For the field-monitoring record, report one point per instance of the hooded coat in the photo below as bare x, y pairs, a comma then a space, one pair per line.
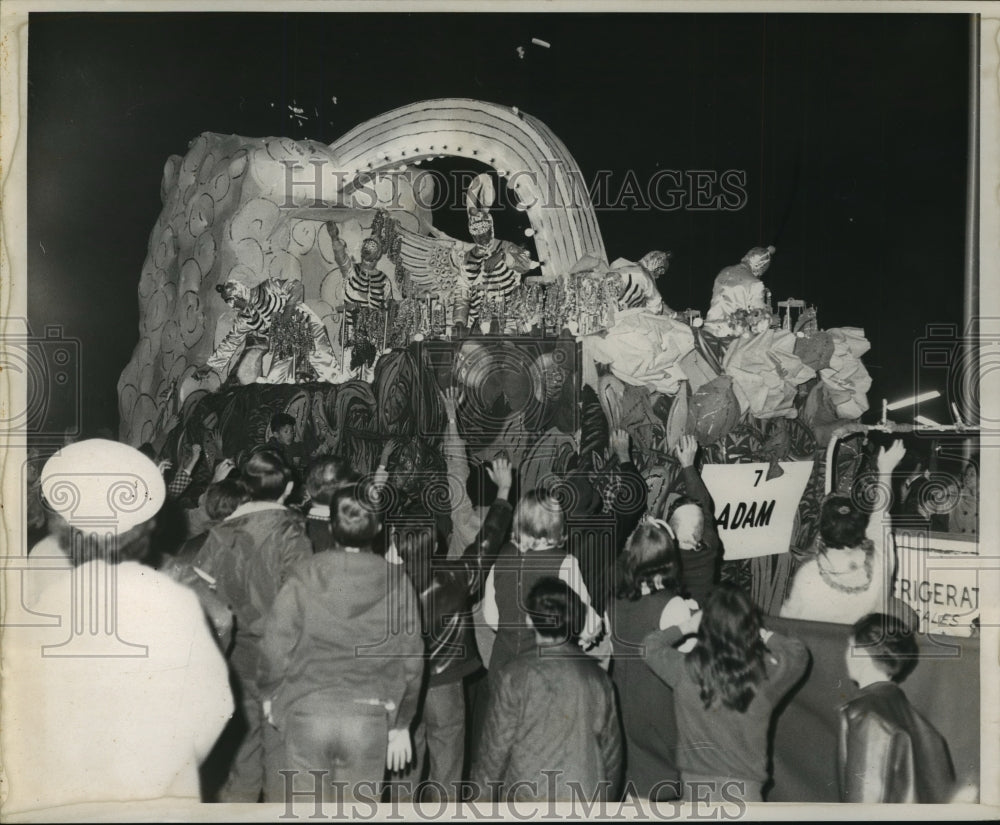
348, 624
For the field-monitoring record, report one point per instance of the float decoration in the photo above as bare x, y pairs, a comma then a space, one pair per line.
372, 286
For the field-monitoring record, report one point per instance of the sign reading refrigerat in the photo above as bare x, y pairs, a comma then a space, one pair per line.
755, 514
938, 576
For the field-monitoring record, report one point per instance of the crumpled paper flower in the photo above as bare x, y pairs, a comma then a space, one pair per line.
846, 378
714, 409
765, 372
643, 349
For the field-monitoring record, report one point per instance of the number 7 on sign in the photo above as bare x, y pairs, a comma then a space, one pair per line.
760, 475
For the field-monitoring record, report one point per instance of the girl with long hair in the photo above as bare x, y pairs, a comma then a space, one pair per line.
725, 690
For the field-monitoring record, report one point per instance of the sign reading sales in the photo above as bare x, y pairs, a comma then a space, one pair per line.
755, 515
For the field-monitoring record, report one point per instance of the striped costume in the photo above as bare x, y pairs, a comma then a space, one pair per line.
638, 289
365, 288
265, 302
498, 267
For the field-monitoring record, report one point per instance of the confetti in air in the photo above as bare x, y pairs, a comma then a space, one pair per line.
541, 43
520, 52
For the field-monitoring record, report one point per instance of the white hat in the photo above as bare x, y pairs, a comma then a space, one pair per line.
102, 486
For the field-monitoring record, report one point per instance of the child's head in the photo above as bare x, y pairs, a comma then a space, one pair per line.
354, 520
283, 427
880, 644
555, 611
267, 476
841, 524
326, 475
223, 497
650, 558
728, 661
687, 519
539, 523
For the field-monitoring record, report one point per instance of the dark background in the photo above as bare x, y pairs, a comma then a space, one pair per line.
851, 129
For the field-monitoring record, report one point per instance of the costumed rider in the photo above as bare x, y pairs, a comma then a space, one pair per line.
638, 287
260, 309
740, 301
365, 285
491, 267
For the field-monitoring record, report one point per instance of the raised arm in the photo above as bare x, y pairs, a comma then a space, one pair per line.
481, 553
628, 513
686, 451
662, 657
463, 514
886, 462
340, 254
786, 663
879, 524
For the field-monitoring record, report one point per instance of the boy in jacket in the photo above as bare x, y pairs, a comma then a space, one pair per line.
552, 723
341, 664
250, 554
887, 751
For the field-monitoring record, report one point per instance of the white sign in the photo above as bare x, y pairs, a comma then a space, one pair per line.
938, 576
754, 515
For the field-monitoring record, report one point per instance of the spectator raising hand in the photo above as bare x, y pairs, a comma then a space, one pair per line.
686, 450
453, 397
501, 473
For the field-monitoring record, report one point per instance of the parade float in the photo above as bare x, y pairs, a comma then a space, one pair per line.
286, 276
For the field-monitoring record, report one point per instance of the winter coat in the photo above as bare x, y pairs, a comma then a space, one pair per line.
345, 623
553, 710
112, 717
250, 554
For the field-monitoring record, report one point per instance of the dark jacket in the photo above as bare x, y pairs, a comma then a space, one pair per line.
700, 568
447, 589
250, 554
889, 753
553, 710
346, 624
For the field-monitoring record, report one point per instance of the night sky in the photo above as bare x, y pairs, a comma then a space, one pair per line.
850, 128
